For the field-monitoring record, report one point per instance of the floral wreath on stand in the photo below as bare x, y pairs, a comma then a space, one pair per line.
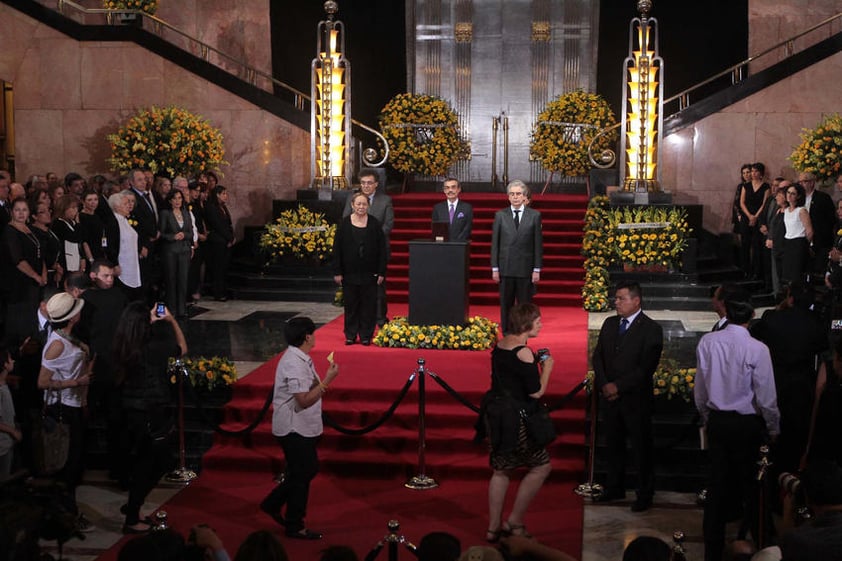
423, 134
148, 6
167, 140
565, 128
820, 151
299, 233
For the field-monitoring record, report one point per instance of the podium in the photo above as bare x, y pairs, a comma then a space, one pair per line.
438, 282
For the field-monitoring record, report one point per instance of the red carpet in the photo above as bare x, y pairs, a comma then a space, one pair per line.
360, 487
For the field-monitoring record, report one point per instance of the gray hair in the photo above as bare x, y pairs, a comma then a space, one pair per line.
518, 183
116, 199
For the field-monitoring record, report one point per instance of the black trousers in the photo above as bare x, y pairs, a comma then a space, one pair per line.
71, 474
302, 465
218, 256
629, 416
176, 270
149, 458
360, 309
733, 445
513, 290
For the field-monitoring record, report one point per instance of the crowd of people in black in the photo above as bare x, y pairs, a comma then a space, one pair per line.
96, 275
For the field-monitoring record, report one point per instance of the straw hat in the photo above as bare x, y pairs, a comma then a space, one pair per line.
62, 306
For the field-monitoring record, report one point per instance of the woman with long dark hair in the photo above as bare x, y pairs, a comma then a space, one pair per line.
220, 239
799, 234
752, 201
143, 344
25, 272
176, 226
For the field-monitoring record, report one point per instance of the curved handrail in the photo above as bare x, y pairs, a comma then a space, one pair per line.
299, 97
683, 96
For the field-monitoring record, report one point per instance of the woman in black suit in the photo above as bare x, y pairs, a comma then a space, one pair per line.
176, 226
220, 239
359, 253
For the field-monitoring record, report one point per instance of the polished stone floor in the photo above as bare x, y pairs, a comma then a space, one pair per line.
252, 332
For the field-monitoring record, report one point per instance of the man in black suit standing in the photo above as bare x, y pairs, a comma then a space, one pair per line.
625, 358
380, 207
517, 250
459, 215
823, 217
145, 212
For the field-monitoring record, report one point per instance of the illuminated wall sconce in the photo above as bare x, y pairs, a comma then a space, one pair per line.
330, 111
643, 108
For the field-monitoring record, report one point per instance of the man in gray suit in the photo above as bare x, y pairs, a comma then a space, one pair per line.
380, 207
517, 249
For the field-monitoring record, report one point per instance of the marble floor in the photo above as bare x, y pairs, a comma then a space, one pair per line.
252, 332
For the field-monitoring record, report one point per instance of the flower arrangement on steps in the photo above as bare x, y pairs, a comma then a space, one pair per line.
298, 234
478, 335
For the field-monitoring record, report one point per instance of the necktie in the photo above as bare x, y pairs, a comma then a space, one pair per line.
624, 326
517, 218
452, 212
149, 202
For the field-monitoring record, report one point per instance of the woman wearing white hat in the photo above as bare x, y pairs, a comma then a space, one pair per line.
65, 375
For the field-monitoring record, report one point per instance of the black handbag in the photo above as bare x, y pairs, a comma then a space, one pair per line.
51, 442
539, 425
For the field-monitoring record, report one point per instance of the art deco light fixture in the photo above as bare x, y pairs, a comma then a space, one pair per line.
642, 110
330, 112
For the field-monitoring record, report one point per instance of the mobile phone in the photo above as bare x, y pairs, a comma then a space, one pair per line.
160, 309
836, 324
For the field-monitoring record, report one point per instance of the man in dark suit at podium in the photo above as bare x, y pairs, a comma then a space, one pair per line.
459, 215
517, 250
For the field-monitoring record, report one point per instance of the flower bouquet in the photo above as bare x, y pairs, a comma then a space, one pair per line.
299, 233
207, 372
820, 149
479, 334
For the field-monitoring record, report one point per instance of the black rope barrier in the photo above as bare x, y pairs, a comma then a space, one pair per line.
385, 417
563, 401
453, 393
239, 432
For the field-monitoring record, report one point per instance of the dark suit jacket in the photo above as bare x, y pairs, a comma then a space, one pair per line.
220, 229
147, 223
359, 263
169, 228
460, 229
517, 251
823, 217
628, 361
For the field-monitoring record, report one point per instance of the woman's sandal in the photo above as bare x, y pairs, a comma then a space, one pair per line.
493, 536
510, 529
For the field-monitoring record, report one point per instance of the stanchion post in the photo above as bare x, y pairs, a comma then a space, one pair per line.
421, 481
591, 490
181, 475
763, 469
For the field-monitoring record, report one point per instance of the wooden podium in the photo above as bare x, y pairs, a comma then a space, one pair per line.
438, 282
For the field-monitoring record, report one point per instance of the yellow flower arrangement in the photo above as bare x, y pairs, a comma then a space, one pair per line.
167, 139
423, 134
299, 233
566, 126
641, 245
668, 381
478, 335
595, 290
148, 6
208, 372
820, 149
598, 255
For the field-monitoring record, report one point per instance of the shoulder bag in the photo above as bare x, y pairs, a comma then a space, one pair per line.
51, 442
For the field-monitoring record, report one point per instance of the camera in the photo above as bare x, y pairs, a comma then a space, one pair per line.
543, 354
160, 309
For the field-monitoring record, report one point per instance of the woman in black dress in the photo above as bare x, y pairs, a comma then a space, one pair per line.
752, 200
359, 266
94, 238
220, 239
51, 246
66, 227
519, 377
25, 272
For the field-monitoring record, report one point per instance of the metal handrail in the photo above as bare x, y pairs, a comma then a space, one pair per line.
206, 49
684, 96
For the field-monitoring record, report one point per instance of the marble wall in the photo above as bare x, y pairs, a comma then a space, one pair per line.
701, 163
70, 95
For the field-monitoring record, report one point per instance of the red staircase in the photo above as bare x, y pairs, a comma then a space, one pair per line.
562, 218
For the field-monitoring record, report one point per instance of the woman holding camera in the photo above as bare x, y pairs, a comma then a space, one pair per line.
518, 377
143, 344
